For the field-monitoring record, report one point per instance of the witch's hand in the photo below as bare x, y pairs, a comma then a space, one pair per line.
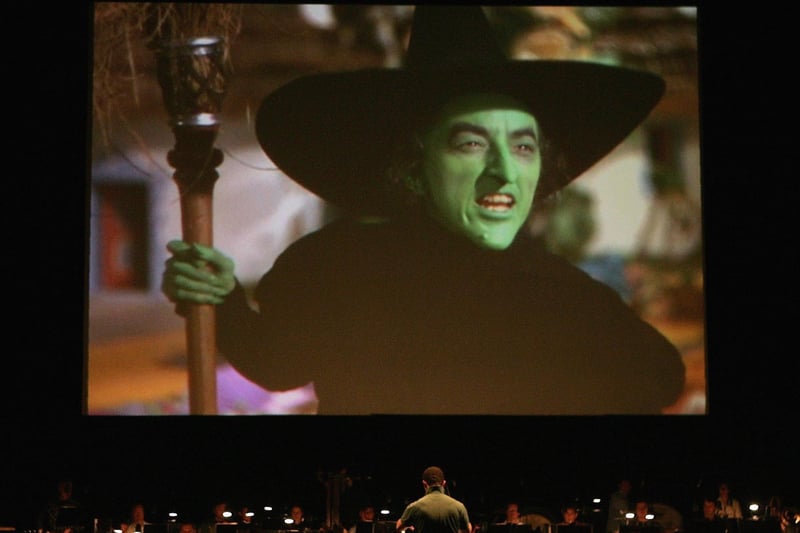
197, 274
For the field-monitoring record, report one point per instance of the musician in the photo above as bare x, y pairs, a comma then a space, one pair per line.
435, 512
641, 523
709, 521
221, 515
246, 520
187, 527
137, 521
512, 515
727, 506
618, 504
366, 519
300, 521
569, 514
52, 516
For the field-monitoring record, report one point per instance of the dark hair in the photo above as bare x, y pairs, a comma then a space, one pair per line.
405, 164
433, 475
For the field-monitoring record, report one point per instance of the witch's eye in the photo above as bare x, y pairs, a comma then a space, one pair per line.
470, 145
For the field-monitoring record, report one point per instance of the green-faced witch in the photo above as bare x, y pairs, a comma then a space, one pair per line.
426, 297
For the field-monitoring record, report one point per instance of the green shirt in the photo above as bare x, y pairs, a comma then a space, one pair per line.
436, 512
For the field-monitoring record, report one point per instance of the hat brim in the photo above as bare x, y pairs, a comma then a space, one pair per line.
334, 133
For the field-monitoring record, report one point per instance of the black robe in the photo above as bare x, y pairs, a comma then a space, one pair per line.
405, 318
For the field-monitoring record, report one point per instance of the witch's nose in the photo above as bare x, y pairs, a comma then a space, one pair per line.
501, 165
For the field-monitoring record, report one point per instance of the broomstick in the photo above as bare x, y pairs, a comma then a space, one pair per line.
191, 76
191, 72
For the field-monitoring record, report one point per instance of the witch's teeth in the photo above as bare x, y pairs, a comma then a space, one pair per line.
499, 200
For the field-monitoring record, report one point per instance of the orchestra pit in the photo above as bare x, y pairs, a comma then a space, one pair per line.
178, 468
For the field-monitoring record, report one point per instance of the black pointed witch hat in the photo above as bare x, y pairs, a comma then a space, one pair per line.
334, 133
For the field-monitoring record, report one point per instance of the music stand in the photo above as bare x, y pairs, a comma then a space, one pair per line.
510, 528
272, 524
574, 528
68, 516
226, 527
761, 526
365, 527
155, 528
249, 528
633, 528
707, 526
384, 526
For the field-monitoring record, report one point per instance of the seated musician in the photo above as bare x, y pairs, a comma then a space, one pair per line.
570, 522
643, 520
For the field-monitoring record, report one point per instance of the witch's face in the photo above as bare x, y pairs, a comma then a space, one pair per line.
481, 165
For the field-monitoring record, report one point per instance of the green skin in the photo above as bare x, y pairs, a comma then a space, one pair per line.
481, 165
197, 274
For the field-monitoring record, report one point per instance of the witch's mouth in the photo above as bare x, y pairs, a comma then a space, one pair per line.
496, 202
